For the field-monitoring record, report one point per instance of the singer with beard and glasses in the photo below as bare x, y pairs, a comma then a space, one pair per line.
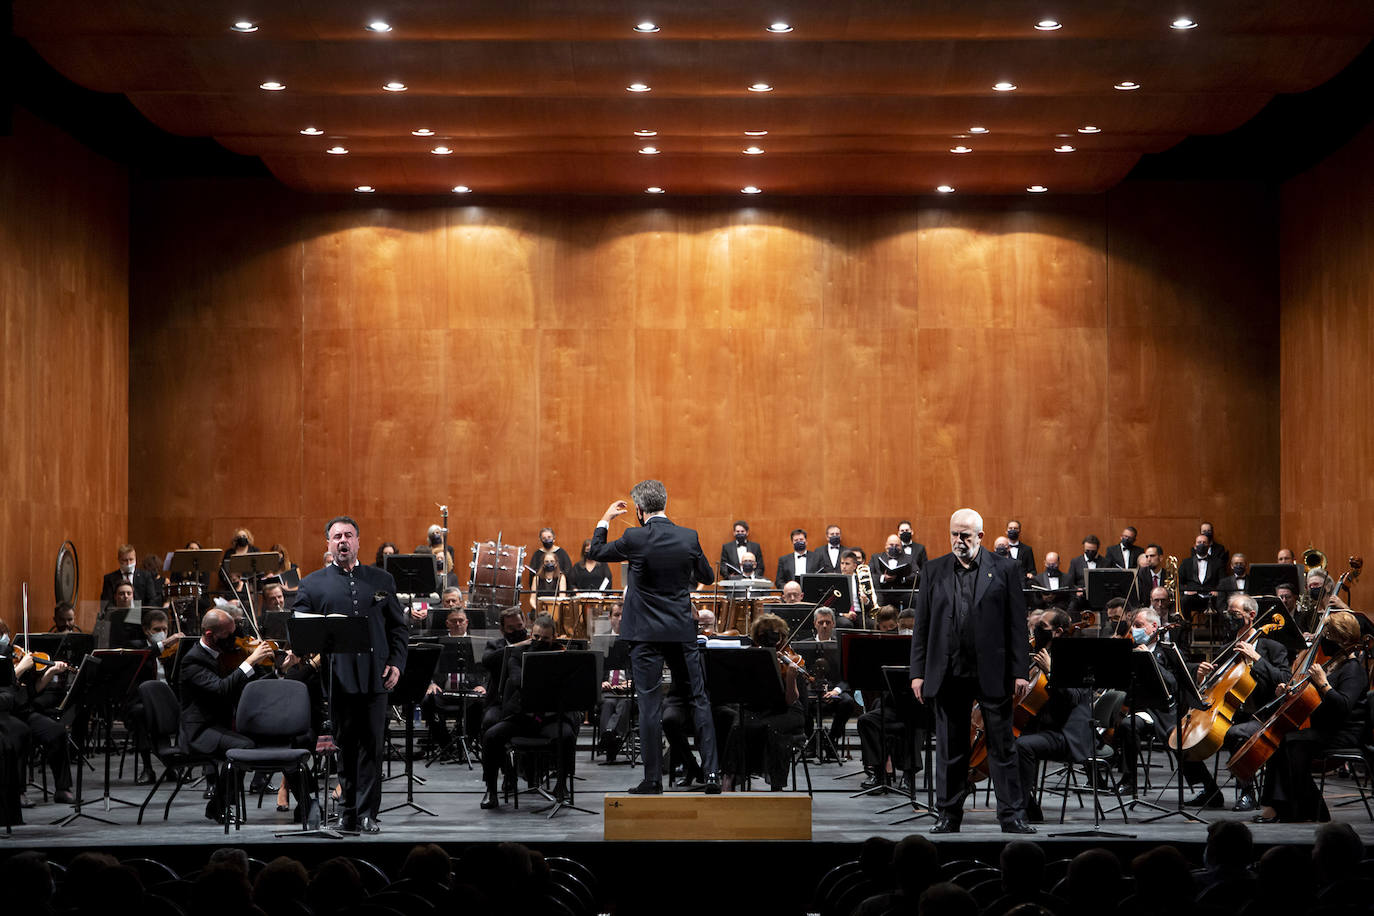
361, 680
665, 560
969, 643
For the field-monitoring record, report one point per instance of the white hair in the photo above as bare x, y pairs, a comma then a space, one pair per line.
967, 516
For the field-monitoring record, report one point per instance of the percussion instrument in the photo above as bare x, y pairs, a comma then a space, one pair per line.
496, 569
564, 609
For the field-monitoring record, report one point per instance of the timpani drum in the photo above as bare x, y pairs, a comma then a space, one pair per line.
595, 607
495, 580
562, 608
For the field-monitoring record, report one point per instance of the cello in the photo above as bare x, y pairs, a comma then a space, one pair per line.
1226, 689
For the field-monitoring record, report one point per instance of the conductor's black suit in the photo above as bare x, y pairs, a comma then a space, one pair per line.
665, 561
979, 659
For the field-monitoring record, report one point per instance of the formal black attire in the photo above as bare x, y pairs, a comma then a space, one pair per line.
357, 693
757, 740
970, 643
730, 553
1227, 587
664, 562
590, 580
147, 588
455, 698
536, 560
1062, 730
1268, 671
787, 567
1079, 566
898, 591
208, 701
1146, 581
494, 655
1342, 720
1047, 580
827, 558
1123, 558
14, 746
1023, 554
841, 707
1193, 577
1156, 721
518, 722
37, 713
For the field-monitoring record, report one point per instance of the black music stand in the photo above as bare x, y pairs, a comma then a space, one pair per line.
897, 679
1265, 579
863, 654
818, 666
744, 677
327, 636
1102, 585
1091, 664
409, 692
798, 617
1187, 691
618, 658
456, 656
71, 648
816, 586
251, 567
560, 681
415, 574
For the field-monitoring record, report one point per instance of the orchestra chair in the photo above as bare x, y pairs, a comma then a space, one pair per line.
797, 742
162, 719
1106, 708
274, 713
1358, 759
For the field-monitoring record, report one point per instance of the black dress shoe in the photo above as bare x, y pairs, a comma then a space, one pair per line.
712, 783
646, 787
1207, 798
1261, 819
1246, 802
348, 824
145, 778
945, 824
1017, 826
490, 799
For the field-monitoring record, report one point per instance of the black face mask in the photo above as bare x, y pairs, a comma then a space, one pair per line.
1002, 551
549, 567
748, 568
770, 639
834, 540
742, 539
1201, 552
1331, 647
542, 645
1127, 542
1090, 553
1013, 534
1316, 592
905, 536
518, 636
894, 551
1051, 568
1042, 637
1238, 570
799, 546
240, 541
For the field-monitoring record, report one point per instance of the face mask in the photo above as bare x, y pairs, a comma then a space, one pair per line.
158, 639
1090, 553
1051, 568
834, 540
742, 539
1042, 638
1139, 636
548, 567
894, 551
1316, 592
1200, 551
548, 543
747, 567
1013, 534
1127, 542
225, 643
240, 541
518, 636
541, 645
4, 642
905, 536
1003, 551
1331, 647
799, 546
770, 639
1238, 570
128, 568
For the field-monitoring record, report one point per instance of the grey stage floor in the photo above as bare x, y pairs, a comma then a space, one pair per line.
453, 792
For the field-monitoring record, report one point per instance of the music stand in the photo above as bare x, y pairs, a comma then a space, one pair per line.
816, 586
1265, 579
251, 567
409, 692
798, 617
1091, 664
1102, 585
71, 648
326, 636
744, 677
558, 681
1186, 692
863, 655
618, 658
456, 656
897, 679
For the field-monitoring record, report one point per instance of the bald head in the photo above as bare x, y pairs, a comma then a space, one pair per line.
215, 626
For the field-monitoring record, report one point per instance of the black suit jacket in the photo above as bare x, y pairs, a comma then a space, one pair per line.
787, 567
998, 618
916, 553
1069, 711
207, 699
729, 554
369, 592
1128, 561
1188, 575
146, 589
665, 560
1025, 555
1145, 583
821, 555
1079, 564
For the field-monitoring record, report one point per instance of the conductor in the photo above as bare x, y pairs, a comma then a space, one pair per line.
970, 643
664, 562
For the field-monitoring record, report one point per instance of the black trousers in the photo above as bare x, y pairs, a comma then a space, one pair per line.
360, 725
677, 728
49, 734
684, 661
1031, 749
953, 708
884, 723
495, 739
1197, 772
1288, 784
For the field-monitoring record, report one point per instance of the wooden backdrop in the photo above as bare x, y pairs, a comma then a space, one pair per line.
1328, 335
1079, 363
65, 339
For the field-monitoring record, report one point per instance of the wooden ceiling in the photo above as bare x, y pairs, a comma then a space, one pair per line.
530, 97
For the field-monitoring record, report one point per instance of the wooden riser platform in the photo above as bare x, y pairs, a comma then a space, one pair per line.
689, 817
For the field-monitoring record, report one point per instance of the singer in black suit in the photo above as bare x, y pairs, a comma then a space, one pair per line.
1199, 576
970, 643
665, 561
788, 564
1021, 552
1125, 555
147, 590
731, 551
362, 679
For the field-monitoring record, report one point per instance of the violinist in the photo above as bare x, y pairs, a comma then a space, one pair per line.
1341, 720
760, 736
1062, 729
1267, 660
1145, 632
156, 638
30, 699
64, 619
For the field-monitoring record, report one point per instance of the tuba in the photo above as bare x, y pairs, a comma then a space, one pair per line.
1312, 558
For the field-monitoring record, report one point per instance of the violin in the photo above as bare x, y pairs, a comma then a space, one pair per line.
789, 659
230, 659
41, 660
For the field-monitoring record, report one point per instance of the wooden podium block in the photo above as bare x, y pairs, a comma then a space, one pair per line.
731, 816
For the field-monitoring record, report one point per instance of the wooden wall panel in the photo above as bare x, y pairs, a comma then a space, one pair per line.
1327, 291
64, 331
791, 365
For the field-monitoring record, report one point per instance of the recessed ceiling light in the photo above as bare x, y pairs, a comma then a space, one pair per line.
311, 131
646, 133
1048, 25
1037, 189
461, 189
1063, 148
945, 188
1183, 23
646, 27
336, 151
648, 150
637, 87
753, 151
422, 132
779, 28
751, 190
960, 149
378, 25
1004, 86
756, 133
1127, 85
442, 151
364, 189
977, 130
243, 25
760, 87
1089, 129
272, 86
395, 86
653, 190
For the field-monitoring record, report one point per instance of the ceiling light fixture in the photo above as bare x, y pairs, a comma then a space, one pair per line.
337, 151
977, 130
646, 27
945, 188
378, 25
648, 151
753, 151
1037, 189
442, 151
760, 87
960, 149
1127, 85
1183, 24
646, 133
422, 132
1004, 86
311, 131
779, 28
395, 86
1089, 129
243, 25
364, 189
462, 189
272, 86
1064, 148
756, 133
637, 87
751, 190
1048, 25
653, 190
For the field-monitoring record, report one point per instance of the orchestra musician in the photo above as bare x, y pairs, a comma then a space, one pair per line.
968, 645
849, 566
550, 581
513, 634
759, 737
1199, 575
835, 695
1267, 660
664, 561
145, 587
1149, 576
1144, 633
1062, 729
1341, 720
30, 699
64, 618
467, 687
792, 592
588, 575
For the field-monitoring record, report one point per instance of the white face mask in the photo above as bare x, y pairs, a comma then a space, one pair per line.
158, 639
129, 568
